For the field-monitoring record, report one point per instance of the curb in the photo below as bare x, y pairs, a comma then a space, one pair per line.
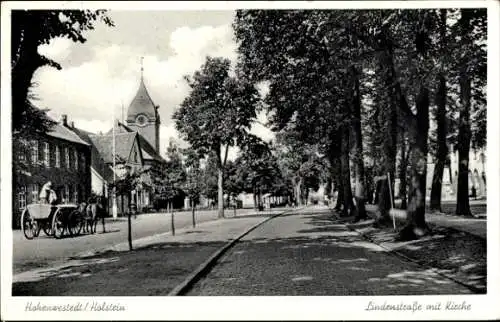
398, 254
139, 240
134, 241
119, 247
206, 266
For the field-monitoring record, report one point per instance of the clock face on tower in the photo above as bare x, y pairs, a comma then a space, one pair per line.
141, 120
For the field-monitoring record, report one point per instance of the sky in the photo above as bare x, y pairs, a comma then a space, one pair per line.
102, 74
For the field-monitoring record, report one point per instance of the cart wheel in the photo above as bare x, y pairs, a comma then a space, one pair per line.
28, 225
47, 228
75, 223
58, 224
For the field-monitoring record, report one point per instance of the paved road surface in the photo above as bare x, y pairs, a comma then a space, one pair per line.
309, 254
44, 251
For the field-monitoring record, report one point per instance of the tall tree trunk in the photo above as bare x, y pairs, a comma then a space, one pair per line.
298, 192
193, 217
442, 149
337, 182
260, 196
403, 185
464, 137
360, 192
345, 173
340, 195
220, 199
172, 219
129, 220
416, 225
388, 120
464, 127
255, 206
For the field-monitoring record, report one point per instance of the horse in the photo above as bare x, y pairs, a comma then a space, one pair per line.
93, 212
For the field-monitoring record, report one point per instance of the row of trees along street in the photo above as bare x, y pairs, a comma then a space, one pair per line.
348, 87
363, 86
344, 88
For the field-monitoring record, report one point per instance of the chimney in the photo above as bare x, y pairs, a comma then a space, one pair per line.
64, 120
72, 124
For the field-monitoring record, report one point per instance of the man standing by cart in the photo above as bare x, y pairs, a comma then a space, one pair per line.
47, 195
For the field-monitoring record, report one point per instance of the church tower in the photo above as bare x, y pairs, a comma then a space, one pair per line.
143, 116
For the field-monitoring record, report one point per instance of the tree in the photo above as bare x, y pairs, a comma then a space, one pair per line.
471, 33
441, 95
30, 29
301, 163
126, 183
234, 183
174, 178
210, 188
217, 114
307, 56
194, 176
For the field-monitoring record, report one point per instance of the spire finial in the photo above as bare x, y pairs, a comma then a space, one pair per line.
142, 67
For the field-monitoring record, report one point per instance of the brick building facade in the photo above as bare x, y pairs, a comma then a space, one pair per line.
59, 156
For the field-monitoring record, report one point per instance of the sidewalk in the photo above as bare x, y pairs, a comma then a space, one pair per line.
156, 265
475, 226
456, 247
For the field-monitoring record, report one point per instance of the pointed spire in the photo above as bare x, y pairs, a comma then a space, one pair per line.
142, 68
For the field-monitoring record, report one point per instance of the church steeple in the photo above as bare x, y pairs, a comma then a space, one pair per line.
142, 113
142, 69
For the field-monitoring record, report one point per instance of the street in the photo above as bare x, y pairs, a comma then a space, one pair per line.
309, 254
43, 251
302, 252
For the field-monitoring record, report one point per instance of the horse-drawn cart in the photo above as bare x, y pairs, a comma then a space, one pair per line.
54, 220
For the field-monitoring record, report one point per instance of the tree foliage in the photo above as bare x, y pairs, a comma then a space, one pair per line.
217, 113
30, 29
332, 71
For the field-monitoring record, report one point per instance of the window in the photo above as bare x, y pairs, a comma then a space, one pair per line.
66, 192
58, 157
75, 194
46, 154
75, 158
66, 154
34, 192
34, 151
21, 153
21, 197
83, 161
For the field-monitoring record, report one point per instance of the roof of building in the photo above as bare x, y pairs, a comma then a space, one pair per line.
148, 152
84, 135
142, 104
123, 145
62, 132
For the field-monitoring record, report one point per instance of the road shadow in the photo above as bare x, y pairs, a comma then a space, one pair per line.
152, 270
321, 265
263, 215
80, 235
194, 232
457, 254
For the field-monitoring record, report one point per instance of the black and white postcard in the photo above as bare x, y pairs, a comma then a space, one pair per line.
250, 160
